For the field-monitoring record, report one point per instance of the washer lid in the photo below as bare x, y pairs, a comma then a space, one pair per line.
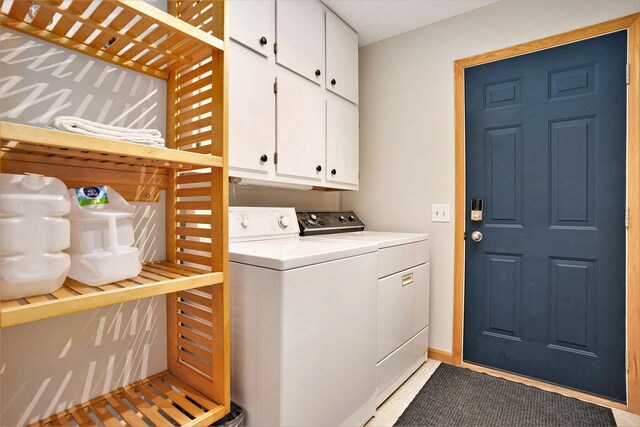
383, 239
285, 254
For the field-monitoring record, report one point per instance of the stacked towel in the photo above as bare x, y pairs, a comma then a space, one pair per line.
82, 126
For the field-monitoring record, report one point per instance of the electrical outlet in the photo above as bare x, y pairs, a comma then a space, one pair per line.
440, 212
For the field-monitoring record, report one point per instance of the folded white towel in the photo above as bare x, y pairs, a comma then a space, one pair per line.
87, 127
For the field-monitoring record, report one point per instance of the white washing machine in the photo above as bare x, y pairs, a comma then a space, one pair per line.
303, 323
403, 292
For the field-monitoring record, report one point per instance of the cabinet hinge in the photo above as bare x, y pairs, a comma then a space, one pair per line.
275, 158
627, 217
628, 73
275, 87
275, 48
626, 360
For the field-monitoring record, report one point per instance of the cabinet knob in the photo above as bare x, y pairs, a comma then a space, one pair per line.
319, 168
318, 73
333, 172
333, 82
264, 158
263, 40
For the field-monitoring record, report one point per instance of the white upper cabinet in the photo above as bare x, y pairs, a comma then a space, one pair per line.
300, 130
252, 23
342, 59
300, 38
342, 141
252, 112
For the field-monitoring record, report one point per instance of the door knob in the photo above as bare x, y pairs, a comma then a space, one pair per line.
318, 73
333, 82
476, 236
319, 168
333, 171
264, 158
263, 40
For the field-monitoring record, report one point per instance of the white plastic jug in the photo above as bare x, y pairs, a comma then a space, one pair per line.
102, 239
32, 235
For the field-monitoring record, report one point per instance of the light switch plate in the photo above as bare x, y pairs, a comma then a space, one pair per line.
440, 212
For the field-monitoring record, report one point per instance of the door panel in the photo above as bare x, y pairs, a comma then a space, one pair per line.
504, 175
342, 141
503, 276
252, 111
342, 59
573, 172
300, 119
252, 23
546, 152
300, 32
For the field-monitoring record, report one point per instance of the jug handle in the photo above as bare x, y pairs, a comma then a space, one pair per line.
113, 235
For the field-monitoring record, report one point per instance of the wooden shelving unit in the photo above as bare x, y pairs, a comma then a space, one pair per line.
186, 47
154, 279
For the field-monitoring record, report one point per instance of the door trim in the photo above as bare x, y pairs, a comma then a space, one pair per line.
632, 24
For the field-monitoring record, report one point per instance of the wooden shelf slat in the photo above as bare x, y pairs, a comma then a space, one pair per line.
155, 279
164, 19
160, 400
111, 40
48, 143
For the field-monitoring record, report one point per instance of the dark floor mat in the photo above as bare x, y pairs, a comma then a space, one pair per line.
456, 396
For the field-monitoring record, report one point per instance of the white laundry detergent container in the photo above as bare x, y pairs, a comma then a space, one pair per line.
33, 235
102, 239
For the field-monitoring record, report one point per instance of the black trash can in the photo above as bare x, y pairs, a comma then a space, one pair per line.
235, 418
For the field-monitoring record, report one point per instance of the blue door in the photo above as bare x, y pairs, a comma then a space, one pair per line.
546, 154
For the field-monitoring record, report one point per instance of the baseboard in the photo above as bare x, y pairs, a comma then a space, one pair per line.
440, 355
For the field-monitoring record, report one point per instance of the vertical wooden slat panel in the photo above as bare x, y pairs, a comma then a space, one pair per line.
204, 131
172, 299
220, 246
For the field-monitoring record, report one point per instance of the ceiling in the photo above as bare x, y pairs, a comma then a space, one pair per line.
379, 19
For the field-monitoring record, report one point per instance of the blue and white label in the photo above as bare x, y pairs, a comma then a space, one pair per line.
92, 195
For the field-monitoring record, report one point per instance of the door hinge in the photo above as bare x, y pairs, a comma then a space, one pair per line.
275, 87
275, 158
627, 217
626, 360
275, 48
628, 73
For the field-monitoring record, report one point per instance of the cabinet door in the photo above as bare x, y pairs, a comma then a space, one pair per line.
342, 59
300, 37
342, 141
252, 115
252, 23
300, 121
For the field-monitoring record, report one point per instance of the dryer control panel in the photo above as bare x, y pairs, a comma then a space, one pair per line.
314, 223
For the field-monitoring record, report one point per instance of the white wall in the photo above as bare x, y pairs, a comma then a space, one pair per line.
240, 195
407, 120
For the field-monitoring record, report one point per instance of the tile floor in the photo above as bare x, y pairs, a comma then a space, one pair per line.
389, 412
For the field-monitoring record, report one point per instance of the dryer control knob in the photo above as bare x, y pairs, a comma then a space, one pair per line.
313, 217
341, 218
352, 218
283, 221
244, 222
